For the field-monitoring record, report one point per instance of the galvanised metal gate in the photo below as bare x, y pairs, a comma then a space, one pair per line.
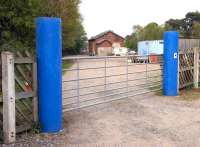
89, 81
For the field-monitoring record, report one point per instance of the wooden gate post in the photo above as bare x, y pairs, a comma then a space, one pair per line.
196, 67
8, 89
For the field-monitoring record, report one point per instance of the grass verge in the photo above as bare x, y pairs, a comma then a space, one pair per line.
66, 65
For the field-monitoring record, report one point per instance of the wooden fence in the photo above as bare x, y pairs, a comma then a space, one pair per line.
19, 106
185, 44
189, 63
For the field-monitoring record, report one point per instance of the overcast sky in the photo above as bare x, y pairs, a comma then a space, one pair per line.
121, 15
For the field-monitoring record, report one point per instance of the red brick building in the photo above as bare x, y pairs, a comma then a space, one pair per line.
104, 43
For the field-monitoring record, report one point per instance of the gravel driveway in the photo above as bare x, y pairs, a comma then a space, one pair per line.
147, 120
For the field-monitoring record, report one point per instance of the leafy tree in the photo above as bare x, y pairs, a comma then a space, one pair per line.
185, 25
195, 16
196, 30
17, 22
81, 39
152, 31
131, 40
74, 35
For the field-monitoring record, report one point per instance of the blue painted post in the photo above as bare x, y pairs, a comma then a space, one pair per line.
49, 48
170, 71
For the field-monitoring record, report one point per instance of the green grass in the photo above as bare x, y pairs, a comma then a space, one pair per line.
66, 65
157, 93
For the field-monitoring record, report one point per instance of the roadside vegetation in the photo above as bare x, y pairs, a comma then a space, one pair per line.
66, 65
188, 27
17, 23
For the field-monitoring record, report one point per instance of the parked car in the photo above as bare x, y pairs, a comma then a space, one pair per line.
122, 51
131, 52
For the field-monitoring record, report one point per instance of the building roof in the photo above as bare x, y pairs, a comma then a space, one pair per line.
104, 33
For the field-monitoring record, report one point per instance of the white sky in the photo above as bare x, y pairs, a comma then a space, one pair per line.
121, 15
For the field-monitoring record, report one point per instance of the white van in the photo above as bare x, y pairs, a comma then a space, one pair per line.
121, 51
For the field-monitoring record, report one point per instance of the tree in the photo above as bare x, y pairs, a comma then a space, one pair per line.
131, 40
17, 22
195, 16
196, 30
152, 31
80, 39
185, 25
74, 35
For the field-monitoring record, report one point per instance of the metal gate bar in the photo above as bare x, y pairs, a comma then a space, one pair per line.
97, 98
107, 101
115, 89
110, 78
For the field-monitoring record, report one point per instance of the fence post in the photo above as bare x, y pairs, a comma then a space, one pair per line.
196, 67
178, 78
170, 72
49, 73
8, 89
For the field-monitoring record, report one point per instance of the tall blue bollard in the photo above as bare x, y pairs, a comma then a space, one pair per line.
49, 54
170, 71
